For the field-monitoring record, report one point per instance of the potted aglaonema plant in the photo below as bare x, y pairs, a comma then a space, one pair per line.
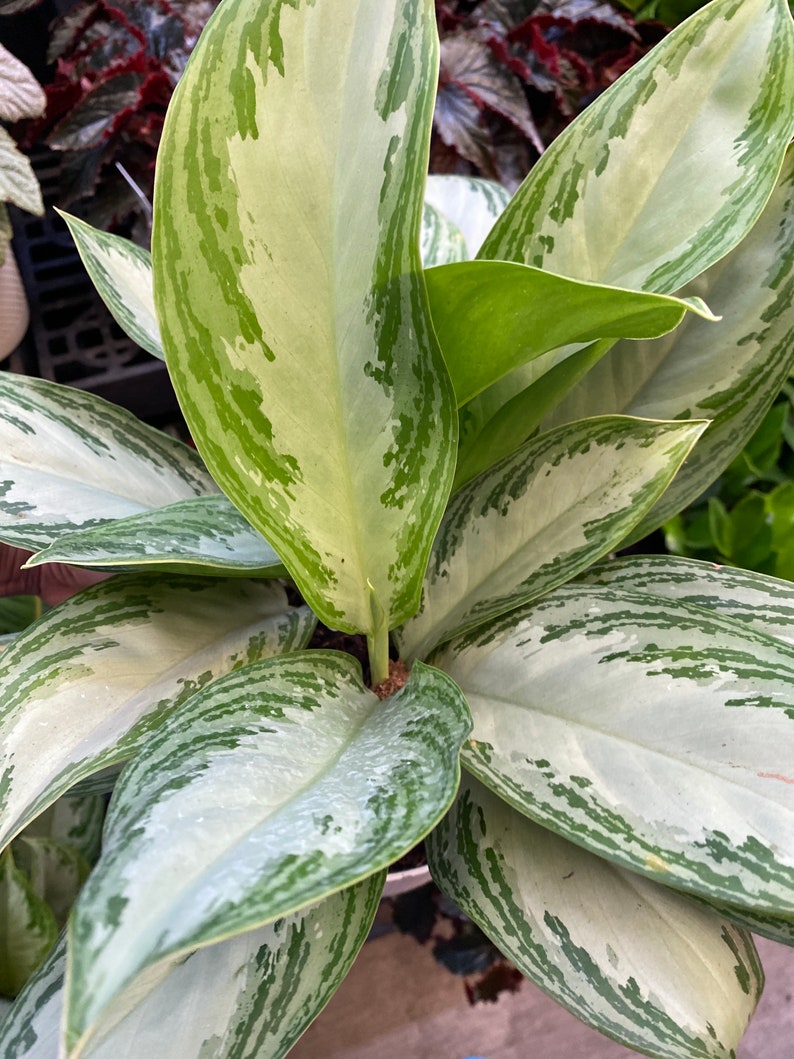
440, 456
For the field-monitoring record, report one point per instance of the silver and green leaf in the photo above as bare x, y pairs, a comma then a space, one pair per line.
539, 517
656, 733
303, 313
337, 784
69, 461
84, 687
633, 959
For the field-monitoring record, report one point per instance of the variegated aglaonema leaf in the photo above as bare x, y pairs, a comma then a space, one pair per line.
267, 791
442, 241
669, 168
84, 687
494, 316
729, 372
656, 732
471, 203
301, 312
249, 997
122, 274
205, 535
632, 959
759, 602
69, 461
539, 517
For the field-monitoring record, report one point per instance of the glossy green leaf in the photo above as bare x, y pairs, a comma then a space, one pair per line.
538, 518
122, 274
205, 535
86, 685
497, 423
69, 460
302, 312
494, 316
632, 959
657, 733
27, 927
441, 241
337, 785
728, 372
246, 998
688, 126
471, 203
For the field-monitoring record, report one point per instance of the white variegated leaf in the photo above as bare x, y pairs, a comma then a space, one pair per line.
246, 998
205, 535
69, 460
539, 517
86, 685
756, 601
21, 96
471, 203
634, 960
686, 125
18, 182
122, 274
656, 732
728, 372
302, 312
267, 791
441, 240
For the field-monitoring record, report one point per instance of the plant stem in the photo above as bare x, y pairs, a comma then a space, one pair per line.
378, 648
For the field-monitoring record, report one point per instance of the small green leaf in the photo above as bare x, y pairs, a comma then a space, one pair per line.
337, 785
56, 872
494, 316
632, 959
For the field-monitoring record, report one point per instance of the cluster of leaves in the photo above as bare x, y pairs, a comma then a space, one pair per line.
439, 454
116, 67
20, 97
514, 73
747, 517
